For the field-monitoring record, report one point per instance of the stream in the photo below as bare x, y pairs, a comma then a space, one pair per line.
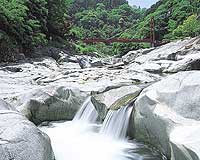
84, 138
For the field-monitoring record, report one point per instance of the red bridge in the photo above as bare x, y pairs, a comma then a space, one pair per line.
150, 40
123, 40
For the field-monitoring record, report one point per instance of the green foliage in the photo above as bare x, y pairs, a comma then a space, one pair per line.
173, 19
80, 5
26, 24
21, 20
85, 49
57, 22
101, 21
8, 45
168, 16
190, 27
29, 23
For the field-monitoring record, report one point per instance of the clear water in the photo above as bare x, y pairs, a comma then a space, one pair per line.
83, 139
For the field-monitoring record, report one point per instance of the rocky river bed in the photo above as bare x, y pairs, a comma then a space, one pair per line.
161, 84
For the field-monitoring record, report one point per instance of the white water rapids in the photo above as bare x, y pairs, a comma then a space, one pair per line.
84, 139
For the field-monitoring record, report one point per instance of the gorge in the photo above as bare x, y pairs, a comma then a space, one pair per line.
143, 105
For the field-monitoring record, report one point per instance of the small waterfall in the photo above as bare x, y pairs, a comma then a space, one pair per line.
116, 123
80, 139
87, 113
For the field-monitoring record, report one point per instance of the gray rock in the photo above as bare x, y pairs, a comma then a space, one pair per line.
51, 104
132, 55
6, 106
67, 58
47, 62
115, 60
116, 66
150, 67
170, 58
88, 62
100, 108
167, 52
167, 115
69, 66
96, 63
20, 139
20, 57
115, 98
84, 62
139, 76
188, 62
53, 52
12, 69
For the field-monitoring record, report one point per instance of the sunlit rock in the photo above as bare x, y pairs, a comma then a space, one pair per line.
118, 97
20, 139
167, 116
188, 62
182, 55
166, 52
6, 106
132, 55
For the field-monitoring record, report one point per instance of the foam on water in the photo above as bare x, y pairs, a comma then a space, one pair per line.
73, 141
80, 139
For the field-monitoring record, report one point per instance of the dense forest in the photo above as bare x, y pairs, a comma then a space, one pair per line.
28, 24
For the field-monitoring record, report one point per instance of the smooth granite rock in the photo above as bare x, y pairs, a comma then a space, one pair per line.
167, 116
20, 139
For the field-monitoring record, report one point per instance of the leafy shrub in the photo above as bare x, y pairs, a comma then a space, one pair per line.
189, 28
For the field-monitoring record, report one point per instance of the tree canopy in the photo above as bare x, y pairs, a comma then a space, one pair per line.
26, 24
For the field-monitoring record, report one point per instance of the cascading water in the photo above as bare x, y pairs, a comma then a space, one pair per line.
87, 113
81, 138
116, 123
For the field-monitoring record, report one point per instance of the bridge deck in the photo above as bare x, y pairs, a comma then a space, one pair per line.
112, 40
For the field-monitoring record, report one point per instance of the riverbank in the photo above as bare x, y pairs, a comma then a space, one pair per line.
53, 89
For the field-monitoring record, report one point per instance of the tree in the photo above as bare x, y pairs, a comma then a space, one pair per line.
58, 17
189, 28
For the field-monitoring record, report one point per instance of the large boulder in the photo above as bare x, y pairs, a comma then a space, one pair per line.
51, 103
169, 51
118, 97
185, 63
140, 76
20, 139
182, 55
167, 115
